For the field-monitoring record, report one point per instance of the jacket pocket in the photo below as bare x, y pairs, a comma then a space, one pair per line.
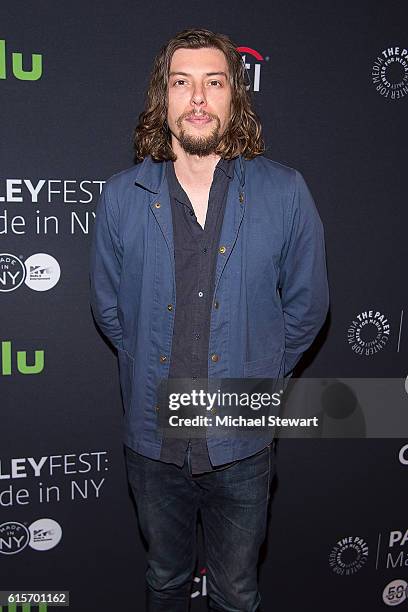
269, 367
126, 372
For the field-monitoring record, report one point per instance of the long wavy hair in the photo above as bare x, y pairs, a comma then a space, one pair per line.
243, 133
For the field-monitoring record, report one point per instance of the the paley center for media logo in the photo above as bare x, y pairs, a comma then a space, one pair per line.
39, 272
368, 333
348, 555
389, 73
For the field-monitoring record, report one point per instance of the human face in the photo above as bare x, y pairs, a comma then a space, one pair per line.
199, 99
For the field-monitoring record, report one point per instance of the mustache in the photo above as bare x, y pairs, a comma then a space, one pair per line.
192, 114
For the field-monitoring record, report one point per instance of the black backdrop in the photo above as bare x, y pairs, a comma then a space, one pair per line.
327, 111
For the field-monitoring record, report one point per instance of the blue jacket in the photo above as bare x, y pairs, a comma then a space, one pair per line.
270, 295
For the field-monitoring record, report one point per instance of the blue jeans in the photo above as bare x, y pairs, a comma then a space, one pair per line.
233, 503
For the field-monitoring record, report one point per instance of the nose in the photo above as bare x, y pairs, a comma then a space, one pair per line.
198, 98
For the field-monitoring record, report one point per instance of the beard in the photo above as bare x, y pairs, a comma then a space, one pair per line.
199, 145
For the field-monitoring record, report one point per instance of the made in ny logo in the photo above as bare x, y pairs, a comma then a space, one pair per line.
15, 61
39, 272
253, 61
43, 534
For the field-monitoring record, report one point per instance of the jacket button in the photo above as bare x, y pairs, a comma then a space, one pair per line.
216, 304
222, 249
169, 306
163, 358
157, 204
157, 408
214, 357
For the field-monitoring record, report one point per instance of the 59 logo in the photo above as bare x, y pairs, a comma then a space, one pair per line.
395, 592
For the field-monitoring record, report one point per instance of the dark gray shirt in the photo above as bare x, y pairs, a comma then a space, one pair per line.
195, 253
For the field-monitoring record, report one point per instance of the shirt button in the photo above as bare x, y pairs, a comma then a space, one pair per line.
197, 336
157, 408
163, 358
216, 304
169, 306
213, 410
191, 212
222, 249
194, 377
241, 197
200, 294
214, 357
205, 249
157, 205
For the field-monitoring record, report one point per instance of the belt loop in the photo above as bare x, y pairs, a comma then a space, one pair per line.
189, 456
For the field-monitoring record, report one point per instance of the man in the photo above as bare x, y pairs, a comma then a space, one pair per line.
208, 262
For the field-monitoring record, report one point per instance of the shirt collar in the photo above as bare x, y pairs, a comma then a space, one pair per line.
175, 189
226, 165
150, 174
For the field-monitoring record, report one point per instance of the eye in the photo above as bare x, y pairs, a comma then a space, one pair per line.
179, 81
216, 82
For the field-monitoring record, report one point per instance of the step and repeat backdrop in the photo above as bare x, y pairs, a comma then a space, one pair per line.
330, 84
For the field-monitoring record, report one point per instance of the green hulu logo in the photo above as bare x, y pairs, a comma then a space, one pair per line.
26, 607
22, 367
17, 65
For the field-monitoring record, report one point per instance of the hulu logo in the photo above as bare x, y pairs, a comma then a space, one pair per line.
17, 66
12, 607
6, 362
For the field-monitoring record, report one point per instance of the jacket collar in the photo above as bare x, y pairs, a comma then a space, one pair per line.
151, 174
